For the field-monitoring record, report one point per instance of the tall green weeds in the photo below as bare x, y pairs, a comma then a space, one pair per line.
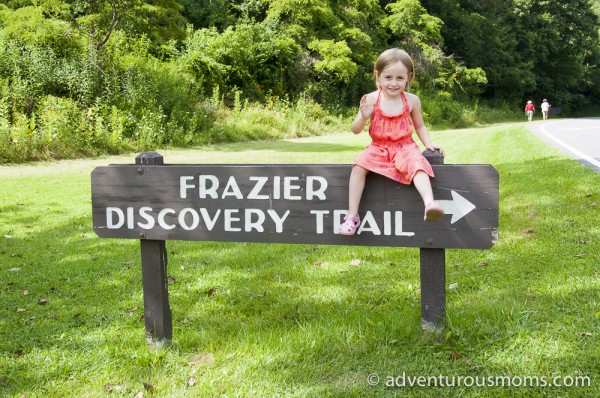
441, 111
124, 99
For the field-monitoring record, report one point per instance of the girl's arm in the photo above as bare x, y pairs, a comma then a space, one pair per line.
359, 123
365, 111
420, 128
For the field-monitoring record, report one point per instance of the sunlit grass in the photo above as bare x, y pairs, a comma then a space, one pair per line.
260, 320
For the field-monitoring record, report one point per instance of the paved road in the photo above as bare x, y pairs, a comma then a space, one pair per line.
577, 138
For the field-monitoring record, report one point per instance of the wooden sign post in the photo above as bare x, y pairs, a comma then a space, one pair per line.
303, 204
433, 276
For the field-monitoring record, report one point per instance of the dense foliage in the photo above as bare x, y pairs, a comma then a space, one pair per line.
527, 48
95, 76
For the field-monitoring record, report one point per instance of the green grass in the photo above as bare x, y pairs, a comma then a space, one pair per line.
258, 320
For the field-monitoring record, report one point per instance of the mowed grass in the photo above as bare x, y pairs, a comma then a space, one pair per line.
261, 320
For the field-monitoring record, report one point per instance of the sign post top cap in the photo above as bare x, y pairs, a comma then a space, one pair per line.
434, 157
149, 158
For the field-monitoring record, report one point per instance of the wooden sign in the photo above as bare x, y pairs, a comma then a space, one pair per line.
291, 204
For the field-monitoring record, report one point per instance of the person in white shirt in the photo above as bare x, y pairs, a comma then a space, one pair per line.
545, 109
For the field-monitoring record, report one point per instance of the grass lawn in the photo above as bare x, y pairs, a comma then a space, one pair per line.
260, 320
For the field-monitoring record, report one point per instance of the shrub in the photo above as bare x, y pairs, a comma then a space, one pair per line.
109, 124
278, 118
63, 130
18, 139
258, 59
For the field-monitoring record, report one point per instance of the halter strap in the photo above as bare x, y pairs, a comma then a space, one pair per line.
404, 103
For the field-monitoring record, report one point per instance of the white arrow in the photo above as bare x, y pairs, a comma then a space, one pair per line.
458, 206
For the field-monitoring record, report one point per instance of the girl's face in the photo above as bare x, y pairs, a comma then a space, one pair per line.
393, 79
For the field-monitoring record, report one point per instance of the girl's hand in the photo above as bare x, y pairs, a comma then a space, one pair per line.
366, 110
434, 148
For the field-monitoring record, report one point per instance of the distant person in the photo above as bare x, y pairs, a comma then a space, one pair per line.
545, 109
393, 153
529, 109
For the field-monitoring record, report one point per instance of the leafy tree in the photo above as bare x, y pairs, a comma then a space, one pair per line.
332, 67
527, 48
160, 20
567, 51
28, 26
420, 34
218, 14
41, 56
409, 20
252, 57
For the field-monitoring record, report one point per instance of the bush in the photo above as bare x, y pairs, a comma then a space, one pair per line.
110, 124
255, 58
16, 141
441, 111
277, 119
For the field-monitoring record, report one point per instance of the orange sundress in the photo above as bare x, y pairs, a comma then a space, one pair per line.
392, 151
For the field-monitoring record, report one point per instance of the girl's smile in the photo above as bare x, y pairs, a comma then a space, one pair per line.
393, 79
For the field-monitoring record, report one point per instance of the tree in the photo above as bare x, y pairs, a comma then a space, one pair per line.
160, 20
536, 48
219, 14
253, 58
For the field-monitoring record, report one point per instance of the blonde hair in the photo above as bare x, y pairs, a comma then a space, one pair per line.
391, 56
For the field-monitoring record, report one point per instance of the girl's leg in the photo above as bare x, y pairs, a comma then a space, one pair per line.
423, 185
357, 185
433, 210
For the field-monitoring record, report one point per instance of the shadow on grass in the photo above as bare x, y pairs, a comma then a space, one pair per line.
289, 146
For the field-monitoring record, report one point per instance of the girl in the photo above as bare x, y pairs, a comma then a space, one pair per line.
392, 152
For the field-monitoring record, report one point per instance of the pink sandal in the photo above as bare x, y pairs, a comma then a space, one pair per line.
350, 225
433, 211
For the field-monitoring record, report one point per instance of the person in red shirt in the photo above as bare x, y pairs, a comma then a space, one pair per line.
529, 109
